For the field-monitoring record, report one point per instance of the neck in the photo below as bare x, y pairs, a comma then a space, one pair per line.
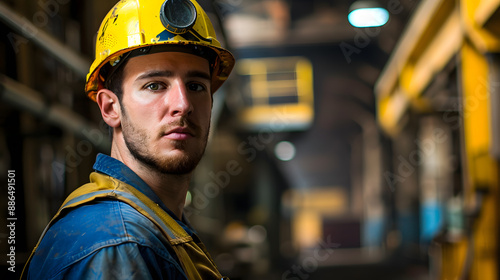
170, 188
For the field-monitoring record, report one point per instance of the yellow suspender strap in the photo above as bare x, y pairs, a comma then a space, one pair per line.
194, 258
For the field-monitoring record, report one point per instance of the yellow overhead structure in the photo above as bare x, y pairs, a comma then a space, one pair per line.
278, 92
481, 21
431, 40
433, 37
467, 32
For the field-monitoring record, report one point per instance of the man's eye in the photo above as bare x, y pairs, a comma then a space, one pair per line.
154, 86
196, 87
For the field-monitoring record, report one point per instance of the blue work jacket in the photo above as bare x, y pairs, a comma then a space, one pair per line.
108, 239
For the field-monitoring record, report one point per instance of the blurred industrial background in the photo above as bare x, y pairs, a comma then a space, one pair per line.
337, 151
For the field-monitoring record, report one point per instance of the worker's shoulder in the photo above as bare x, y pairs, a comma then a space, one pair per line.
109, 221
88, 229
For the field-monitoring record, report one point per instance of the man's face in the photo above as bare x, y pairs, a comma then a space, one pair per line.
166, 108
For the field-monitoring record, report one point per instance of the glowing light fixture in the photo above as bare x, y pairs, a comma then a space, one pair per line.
367, 14
285, 151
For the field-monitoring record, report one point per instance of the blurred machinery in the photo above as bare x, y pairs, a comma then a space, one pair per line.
438, 100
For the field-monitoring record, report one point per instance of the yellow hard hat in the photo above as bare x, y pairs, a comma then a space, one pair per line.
148, 26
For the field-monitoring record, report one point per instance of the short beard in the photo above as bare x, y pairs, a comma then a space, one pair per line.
136, 142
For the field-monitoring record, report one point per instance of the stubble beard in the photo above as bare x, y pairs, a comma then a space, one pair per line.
138, 143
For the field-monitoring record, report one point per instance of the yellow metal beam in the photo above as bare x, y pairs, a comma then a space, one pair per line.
438, 52
403, 52
476, 16
390, 109
485, 11
431, 40
481, 168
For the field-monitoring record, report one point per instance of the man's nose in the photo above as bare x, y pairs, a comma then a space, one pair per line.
178, 100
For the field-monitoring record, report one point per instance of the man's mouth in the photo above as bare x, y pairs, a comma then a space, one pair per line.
179, 133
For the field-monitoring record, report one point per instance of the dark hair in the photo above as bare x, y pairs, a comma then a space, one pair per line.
114, 82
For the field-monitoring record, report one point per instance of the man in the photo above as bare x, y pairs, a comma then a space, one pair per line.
157, 65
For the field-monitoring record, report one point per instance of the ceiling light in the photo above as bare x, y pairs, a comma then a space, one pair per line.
284, 151
367, 14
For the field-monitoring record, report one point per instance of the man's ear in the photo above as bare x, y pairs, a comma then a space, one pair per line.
110, 107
